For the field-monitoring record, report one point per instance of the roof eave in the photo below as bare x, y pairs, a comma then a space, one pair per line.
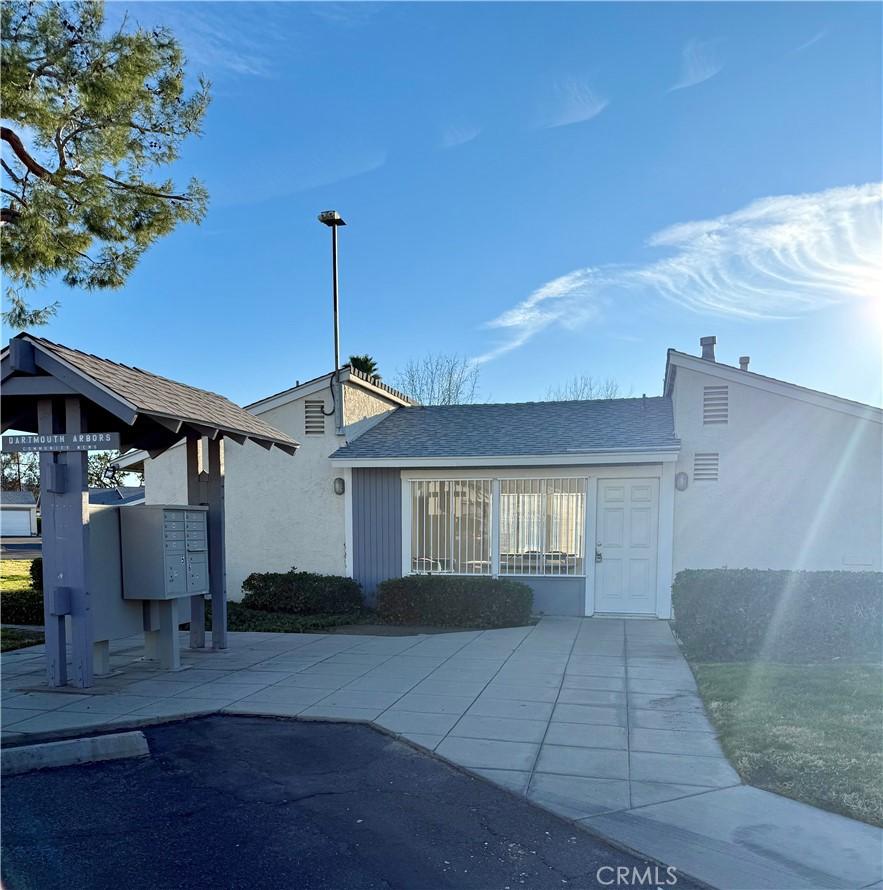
659, 454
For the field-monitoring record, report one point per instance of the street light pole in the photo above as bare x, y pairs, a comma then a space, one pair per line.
333, 219
336, 301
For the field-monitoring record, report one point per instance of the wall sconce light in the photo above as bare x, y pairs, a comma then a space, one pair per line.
339, 485
681, 481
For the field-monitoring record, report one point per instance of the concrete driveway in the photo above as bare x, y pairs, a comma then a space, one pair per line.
597, 720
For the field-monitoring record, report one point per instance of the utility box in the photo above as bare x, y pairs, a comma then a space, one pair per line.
165, 551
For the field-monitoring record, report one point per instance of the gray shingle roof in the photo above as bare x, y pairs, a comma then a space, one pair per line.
151, 394
118, 495
17, 498
528, 428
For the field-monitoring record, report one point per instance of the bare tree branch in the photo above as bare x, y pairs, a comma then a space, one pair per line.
582, 388
439, 380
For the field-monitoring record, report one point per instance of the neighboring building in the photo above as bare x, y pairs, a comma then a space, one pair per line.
283, 512
595, 504
18, 514
118, 496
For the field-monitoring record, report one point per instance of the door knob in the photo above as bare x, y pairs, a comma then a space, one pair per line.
598, 555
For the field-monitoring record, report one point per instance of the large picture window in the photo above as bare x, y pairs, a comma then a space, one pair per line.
541, 526
539, 531
450, 526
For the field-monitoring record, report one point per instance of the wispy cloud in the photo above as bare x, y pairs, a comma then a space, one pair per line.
699, 63
459, 135
575, 101
231, 38
778, 257
811, 42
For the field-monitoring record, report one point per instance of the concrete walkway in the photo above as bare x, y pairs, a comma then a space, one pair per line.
596, 720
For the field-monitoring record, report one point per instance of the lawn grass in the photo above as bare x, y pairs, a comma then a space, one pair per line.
15, 638
813, 732
15, 574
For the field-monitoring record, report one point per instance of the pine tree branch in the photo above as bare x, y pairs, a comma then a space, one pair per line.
11, 137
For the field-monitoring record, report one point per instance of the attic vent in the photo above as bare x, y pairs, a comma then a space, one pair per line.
706, 466
314, 417
715, 404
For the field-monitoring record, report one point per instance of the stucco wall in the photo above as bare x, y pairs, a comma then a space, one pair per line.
281, 511
165, 478
799, 487
362, 409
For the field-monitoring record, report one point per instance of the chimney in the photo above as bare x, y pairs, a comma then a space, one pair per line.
743, 362
707, 344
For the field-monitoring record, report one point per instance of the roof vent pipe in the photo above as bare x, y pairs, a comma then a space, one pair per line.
707, 344
743, 362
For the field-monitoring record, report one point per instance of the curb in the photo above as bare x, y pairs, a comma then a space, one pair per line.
49, 755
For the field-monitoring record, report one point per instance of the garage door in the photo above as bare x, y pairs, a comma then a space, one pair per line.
14, 522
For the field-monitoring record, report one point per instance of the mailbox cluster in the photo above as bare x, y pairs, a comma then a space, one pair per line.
165, 552
143, 561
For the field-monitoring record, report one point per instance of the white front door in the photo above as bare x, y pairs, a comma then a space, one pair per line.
625, 552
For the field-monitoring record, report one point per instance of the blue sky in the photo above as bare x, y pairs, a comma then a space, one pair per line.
550, 189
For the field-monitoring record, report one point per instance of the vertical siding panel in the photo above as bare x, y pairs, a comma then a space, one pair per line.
377, 523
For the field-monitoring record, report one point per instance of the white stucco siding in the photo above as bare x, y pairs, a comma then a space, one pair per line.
165, 477
799, 484
281, 511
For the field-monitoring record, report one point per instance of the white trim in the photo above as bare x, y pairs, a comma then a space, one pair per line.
780, 387
591, 539
406, 530
597, 458
494, 530
641, 472
348, 522
665, 541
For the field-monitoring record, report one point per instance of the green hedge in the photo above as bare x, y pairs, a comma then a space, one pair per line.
743, 614
36, 571
21, 607
454, 601
241, 618
301, 593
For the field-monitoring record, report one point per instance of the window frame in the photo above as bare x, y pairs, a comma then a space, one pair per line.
451, 475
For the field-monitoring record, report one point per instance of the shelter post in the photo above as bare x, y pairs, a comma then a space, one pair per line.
195, 496
216, 554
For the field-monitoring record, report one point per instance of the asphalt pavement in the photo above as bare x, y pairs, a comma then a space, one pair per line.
249, 802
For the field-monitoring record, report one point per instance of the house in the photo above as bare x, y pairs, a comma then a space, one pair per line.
18, 514
282, 512
594, 504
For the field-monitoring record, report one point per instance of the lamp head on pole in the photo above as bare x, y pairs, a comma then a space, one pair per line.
331, 218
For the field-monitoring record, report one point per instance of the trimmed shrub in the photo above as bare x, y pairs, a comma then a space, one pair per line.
454, 601
241, 618
36, 571
21, 607
743, 614
301, 593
